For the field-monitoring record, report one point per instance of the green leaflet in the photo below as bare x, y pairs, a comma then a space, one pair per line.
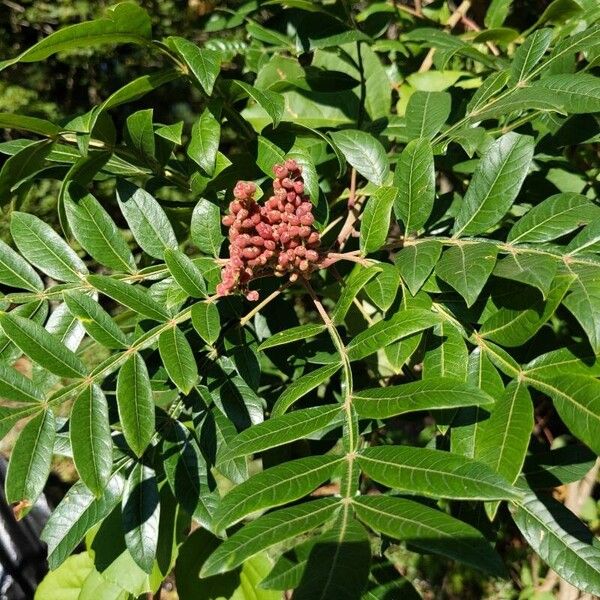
134, 297
178, 358
206, 321
274, 487
45, 249
95, 230
577, 400
402, 324
339, 560
434, 473
495, 184
271, 529
124, 23
426, 113
376, 219
302, 386
135, 403
415, 180
203, 64
561, 540
97, 322
428, 529
505, 435
364, 153
141, 514
90, 439
29, 465
206, 227
352, 286
204, 143
282, 430
293, 334
17, 387
429, 394
185, 273
78, 511
466, 267
41, 346
146, 219
16, 272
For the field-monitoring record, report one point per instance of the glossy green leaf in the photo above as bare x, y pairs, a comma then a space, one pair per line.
97, 322
576, 93
434, 473
206, 321
273, 528
132, 296
44, 248
575, 360
364, 152
275, 486
550, 469
467, 267
25, 163
34, 311
513, 326
206, 227
271, 102
426, 112
135, 403
204, 141
561, 540
383, 288
495, 184
185, 273
529, 54
124, 23
31, 456
415, 179
139, 135
505, 435
338, 563
17, 387
90, 439
187, 473
376, 219
204, 64
178, 358
78, 512
416, 262
583, 302
429, 394
146, 219
67, 582
141, 515
587, 240
554, 217
41, 346
31, 124
537, 270
16, 272
402, 324
577, 400
447, 353
428, 529
95, 230
302, 386
302, 332
353, 284
283, 430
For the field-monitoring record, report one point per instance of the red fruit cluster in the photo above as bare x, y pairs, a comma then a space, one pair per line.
277, 238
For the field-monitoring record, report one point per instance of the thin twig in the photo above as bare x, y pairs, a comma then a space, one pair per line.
262, 304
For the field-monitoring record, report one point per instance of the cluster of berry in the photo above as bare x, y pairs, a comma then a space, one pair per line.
277, 238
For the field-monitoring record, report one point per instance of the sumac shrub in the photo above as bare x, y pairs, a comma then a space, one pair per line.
345, 313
